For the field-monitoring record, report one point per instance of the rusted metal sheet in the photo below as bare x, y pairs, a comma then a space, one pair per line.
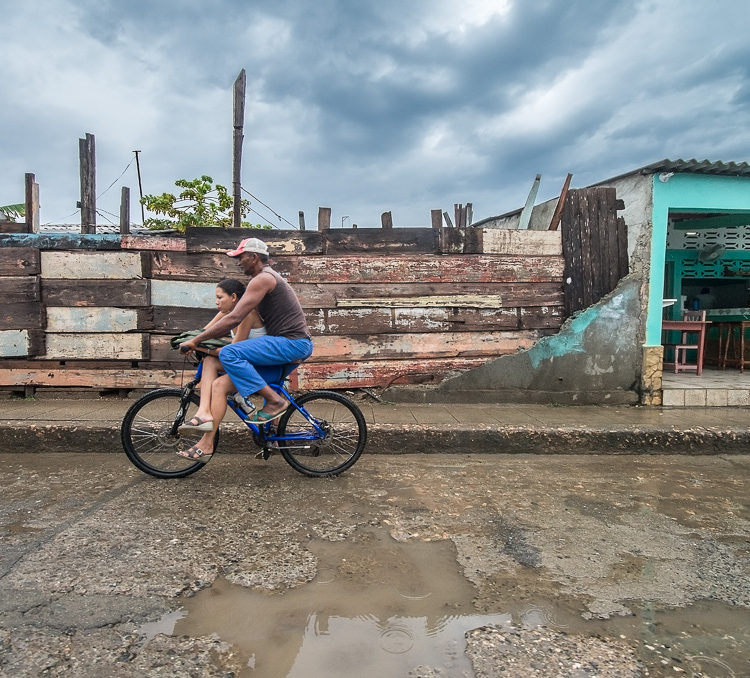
20, 288
104, 346
91, 265
380, 373
420, 269
420, 345
19, 261
128, 293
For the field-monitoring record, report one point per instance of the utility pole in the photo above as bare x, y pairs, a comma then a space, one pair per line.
239, 121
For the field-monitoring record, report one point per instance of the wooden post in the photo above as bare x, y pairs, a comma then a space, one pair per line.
239, 121
32, 204
436, 217
561, 201
448, 221
125, 210
525, 219
469, 213
324, 218
87, 156
301, 220
386, 220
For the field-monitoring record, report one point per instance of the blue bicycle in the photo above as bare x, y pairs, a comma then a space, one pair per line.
321, 433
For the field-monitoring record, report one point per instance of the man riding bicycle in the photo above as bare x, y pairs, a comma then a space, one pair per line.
287, 340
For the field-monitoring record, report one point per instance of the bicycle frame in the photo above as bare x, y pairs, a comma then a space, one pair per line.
264, 433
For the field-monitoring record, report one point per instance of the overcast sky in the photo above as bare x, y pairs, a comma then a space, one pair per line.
366, 106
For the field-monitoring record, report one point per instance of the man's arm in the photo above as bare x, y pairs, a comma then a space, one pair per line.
256, 289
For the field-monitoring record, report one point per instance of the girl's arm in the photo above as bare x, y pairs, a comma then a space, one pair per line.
214, 319
250, 321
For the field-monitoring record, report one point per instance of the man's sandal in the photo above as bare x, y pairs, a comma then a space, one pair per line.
195, 453
264, 417
197, 424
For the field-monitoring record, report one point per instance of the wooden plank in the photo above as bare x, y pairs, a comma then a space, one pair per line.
14, 343
421, 346
452, 301
380, 241
541, 317
19, 261
572, 253
91, 265
359, 321
555, 221
198, 267
125, 210
127, 293
510, 294
61, 241
220, 240
175, 319
324, 218
19, 289
506, 241
62, 376
460, 240
183, 293
380, 373
32, 204
76, 319
158, 243
386, 220
622, 247
420, 268
436, 219
104, 346
27, 315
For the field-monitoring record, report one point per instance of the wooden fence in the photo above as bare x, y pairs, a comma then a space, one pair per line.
385, 306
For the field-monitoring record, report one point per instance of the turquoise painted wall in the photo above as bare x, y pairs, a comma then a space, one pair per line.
694, 192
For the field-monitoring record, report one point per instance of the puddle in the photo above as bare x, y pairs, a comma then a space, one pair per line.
383, 608
377, 608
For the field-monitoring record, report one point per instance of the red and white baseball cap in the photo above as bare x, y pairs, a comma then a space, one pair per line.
249, 245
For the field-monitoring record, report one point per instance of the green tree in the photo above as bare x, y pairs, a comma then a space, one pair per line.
13, 212
200, 203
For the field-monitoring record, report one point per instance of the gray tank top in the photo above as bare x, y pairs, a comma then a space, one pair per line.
281, 311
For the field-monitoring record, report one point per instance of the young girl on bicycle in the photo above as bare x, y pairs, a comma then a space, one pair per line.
228, 293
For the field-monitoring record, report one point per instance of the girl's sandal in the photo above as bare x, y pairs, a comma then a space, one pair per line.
194, 453
197, 424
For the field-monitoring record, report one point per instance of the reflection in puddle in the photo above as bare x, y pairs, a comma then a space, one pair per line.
377, 608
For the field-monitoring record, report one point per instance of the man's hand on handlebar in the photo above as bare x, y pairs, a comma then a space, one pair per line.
188, 346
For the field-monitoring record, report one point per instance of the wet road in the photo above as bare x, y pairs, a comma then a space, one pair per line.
449, 565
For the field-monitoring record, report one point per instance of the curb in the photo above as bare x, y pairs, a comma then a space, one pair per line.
30, 437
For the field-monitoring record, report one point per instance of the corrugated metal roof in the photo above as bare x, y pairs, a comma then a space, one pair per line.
734, 169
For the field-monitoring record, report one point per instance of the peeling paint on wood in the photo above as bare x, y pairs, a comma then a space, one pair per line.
91, 265
506, 241
105, 346
184, 294
150, 242
380, 373
19, 261
91, 319
199, 267
454, 300
14, 343
18, 289
93, 377
130, 293
61, 241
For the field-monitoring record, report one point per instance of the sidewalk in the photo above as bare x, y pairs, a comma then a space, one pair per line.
92, 425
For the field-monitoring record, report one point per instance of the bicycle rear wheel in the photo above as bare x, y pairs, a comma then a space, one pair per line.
326, 437
150, 437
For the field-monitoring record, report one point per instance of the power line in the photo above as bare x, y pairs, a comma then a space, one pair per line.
115, 181
269, 208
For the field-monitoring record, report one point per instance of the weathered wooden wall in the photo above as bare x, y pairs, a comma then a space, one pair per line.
385, 307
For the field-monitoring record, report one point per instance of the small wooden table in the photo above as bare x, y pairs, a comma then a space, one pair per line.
696, 326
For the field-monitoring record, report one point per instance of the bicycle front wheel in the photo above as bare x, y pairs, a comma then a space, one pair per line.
150, 437
325, 436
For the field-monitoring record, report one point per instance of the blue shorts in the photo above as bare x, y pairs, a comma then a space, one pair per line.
253, 363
